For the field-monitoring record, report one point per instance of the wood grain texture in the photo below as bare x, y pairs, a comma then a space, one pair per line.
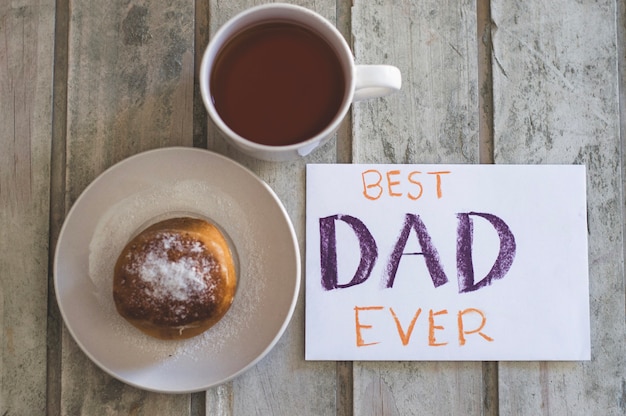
556, 101
433, 119
85, 83
283, 383
130, 89
26, 68
130, 84
410, 388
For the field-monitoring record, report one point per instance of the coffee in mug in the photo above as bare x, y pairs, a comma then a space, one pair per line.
277, 83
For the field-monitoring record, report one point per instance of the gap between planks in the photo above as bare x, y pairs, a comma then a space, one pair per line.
485, 82
58, 207
490, 398
621, 70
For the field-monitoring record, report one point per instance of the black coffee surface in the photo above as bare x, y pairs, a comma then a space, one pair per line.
277, 84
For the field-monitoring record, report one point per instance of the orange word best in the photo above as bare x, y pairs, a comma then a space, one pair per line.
397, 184
438, 323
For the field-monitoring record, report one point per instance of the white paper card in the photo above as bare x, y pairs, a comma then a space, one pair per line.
446, 262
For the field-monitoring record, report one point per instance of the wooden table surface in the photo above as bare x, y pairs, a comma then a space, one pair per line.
87, 83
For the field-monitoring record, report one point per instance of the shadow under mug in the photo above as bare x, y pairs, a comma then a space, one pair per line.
361, 81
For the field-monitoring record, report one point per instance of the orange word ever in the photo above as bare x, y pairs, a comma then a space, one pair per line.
435, 325
396, 184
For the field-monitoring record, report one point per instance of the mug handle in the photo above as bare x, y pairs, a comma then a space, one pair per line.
373, 81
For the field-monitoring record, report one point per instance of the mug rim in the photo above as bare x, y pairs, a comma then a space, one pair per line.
219, 39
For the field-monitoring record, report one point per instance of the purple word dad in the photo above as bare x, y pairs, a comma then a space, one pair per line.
413, 222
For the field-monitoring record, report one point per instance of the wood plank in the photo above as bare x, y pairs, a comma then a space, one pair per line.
556, 101
130, 89
282, 383
26, 57
434, 119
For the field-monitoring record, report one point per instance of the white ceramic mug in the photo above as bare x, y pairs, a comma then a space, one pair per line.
361, 81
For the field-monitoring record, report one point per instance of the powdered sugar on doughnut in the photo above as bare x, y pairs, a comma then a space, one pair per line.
174, 279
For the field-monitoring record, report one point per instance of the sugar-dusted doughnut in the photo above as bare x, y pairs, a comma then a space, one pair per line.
175, 279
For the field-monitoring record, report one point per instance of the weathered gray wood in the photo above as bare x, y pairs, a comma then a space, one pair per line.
434, 119
556, 101
282, 383
26, 57
130, 89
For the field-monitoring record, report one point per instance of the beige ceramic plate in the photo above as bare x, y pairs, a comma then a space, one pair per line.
159, 183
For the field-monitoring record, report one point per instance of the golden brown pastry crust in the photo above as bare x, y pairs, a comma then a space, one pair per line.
175, 279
